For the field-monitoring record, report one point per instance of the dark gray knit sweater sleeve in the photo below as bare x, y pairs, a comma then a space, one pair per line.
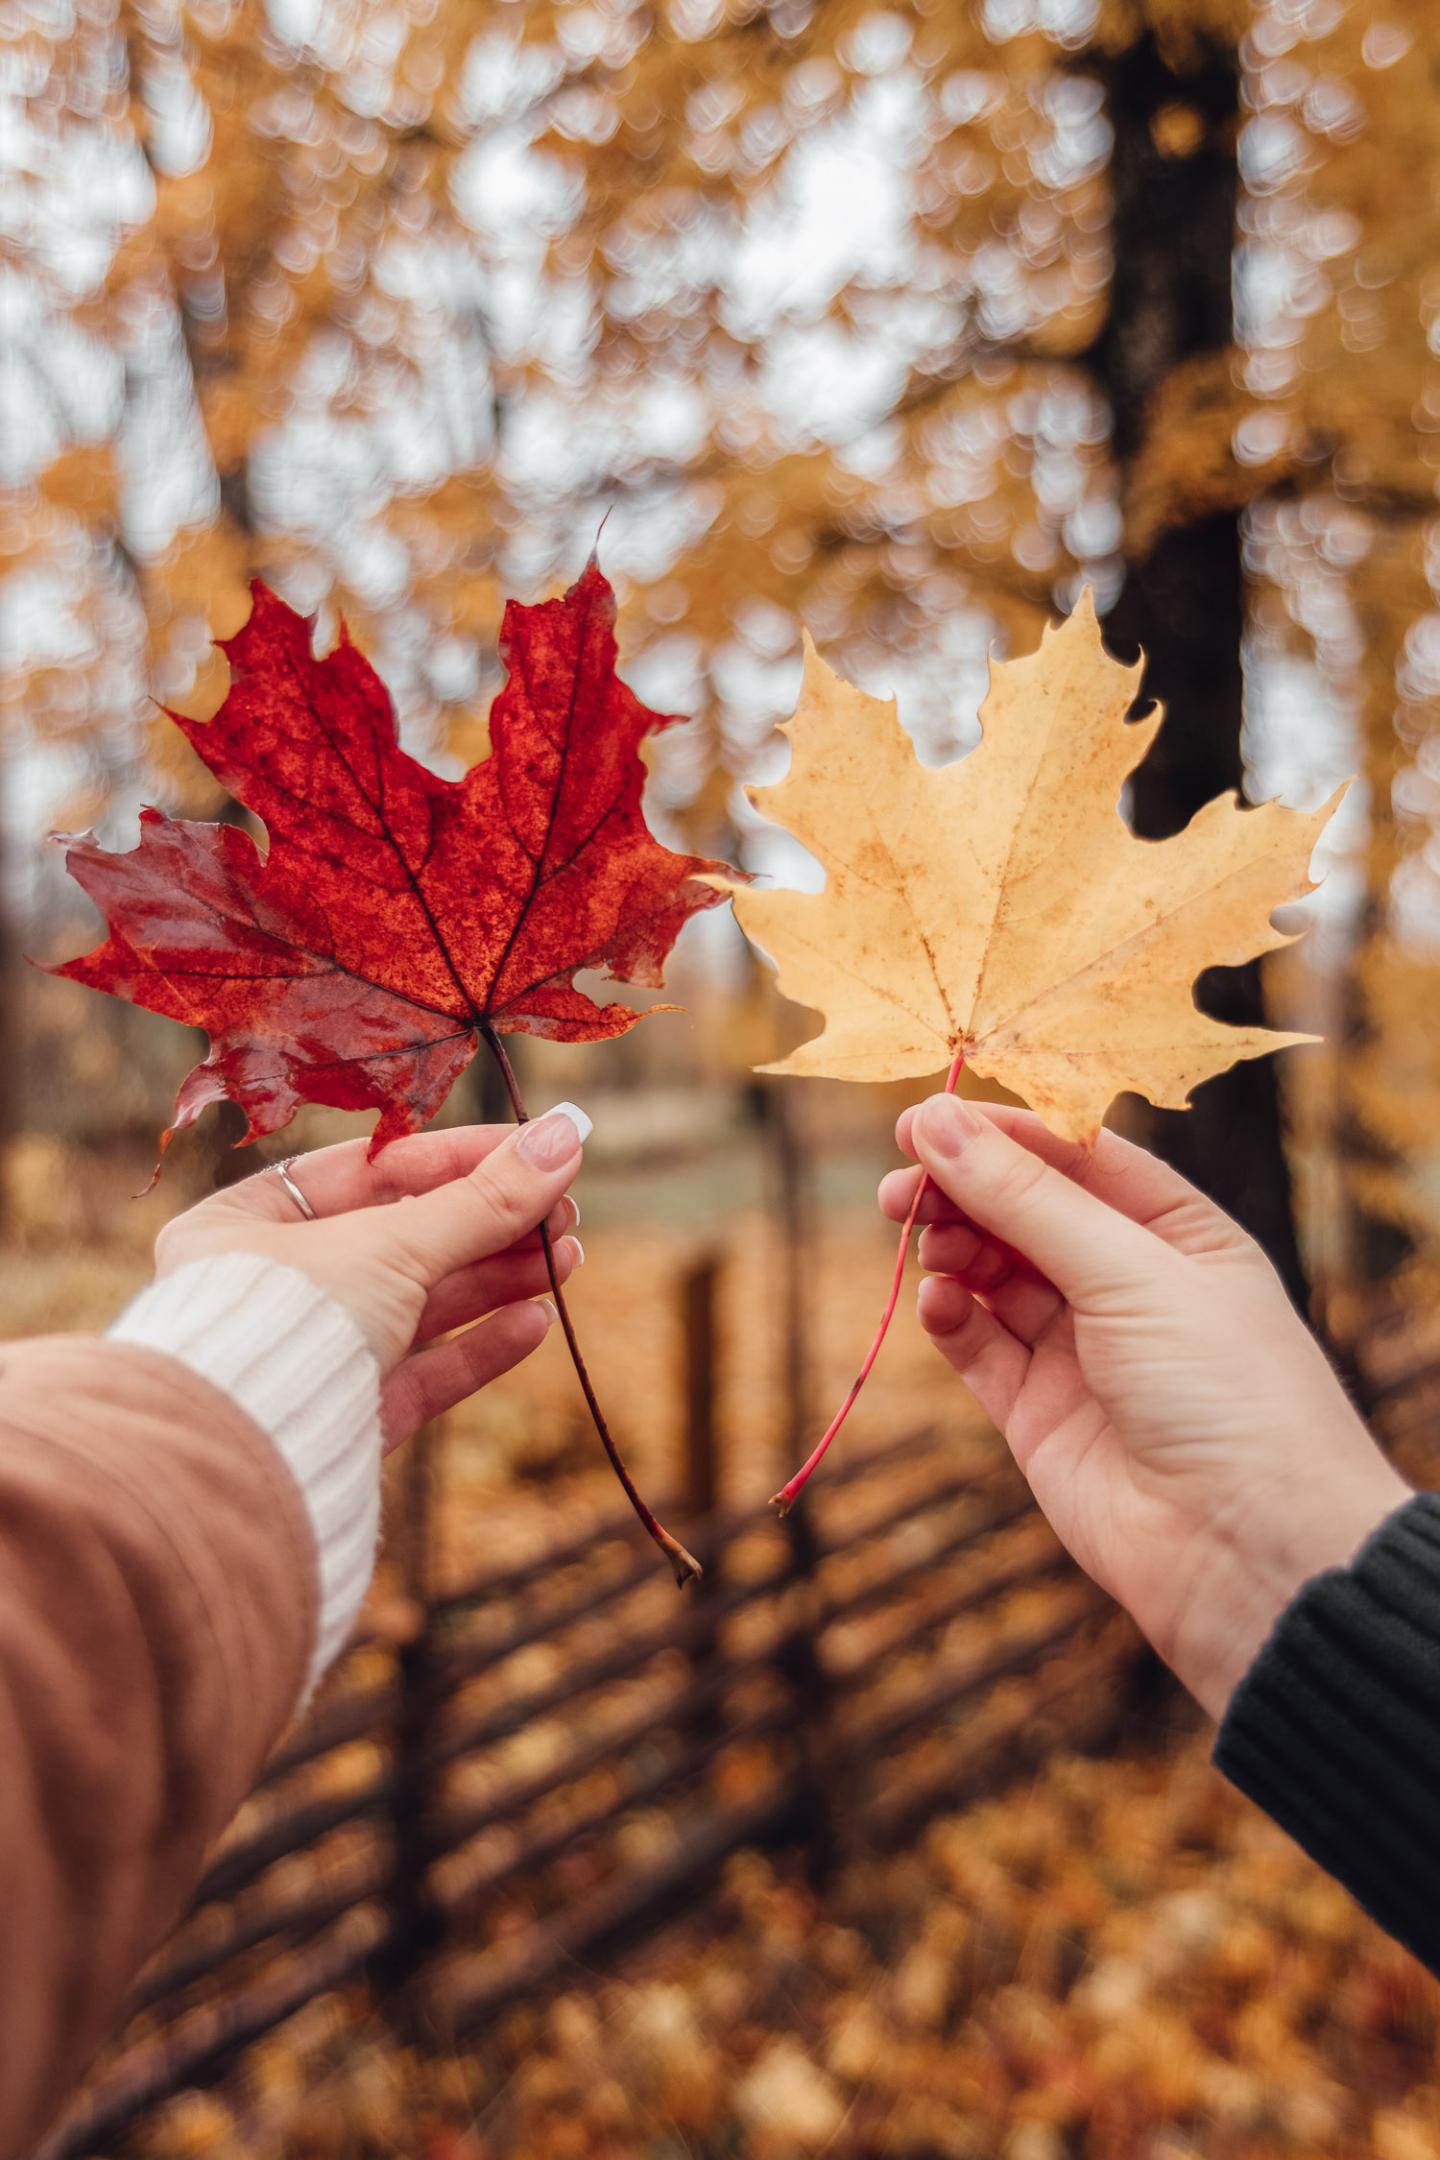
1335, 1729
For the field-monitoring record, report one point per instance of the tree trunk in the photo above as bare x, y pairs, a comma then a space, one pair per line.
1183, 601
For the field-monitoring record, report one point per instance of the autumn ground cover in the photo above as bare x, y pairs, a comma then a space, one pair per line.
1122, 1961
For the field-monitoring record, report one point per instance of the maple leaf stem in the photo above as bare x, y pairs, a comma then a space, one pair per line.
686, 1567
789, 1493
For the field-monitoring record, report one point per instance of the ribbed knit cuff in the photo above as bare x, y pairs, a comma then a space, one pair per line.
297, 1364
1335, 1729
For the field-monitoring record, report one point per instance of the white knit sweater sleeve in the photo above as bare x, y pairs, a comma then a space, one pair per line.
298, 1365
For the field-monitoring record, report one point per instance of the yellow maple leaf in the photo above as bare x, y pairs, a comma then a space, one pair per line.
1000, 908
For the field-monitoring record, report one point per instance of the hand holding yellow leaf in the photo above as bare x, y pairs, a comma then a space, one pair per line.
998, 913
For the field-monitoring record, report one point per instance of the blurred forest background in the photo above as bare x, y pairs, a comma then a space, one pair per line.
901, 322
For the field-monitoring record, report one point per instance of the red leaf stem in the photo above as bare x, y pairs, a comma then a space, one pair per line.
788, 1494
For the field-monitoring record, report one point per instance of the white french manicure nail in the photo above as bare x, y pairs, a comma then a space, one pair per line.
579, 1252
574, 1211
583, 1125
551, 1309
551, 1139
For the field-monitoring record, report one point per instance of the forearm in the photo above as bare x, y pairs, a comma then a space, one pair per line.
1335, 1727
169, 1586
295, 1362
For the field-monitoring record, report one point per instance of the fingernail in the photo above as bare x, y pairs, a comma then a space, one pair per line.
548, 1141
574, 1206
583, 1125
948, 1122
579, 1251
550, 1310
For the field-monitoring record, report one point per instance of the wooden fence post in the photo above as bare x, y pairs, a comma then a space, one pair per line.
697, 1302
799, 1657
702, 1483
417, 1924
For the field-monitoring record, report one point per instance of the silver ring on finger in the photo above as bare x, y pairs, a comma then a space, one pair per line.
282, 1171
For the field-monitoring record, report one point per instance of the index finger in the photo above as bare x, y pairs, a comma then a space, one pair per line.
1099, 1259
336, 1179
1126, 1177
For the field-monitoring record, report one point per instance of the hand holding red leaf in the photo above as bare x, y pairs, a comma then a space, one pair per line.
397, 918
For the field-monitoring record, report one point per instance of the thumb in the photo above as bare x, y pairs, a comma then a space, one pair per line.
1092, 1254
501, 1199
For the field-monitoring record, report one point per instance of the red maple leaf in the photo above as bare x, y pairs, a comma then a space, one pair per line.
397, 917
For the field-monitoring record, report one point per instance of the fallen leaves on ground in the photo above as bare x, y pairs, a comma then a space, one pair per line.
1121, 1961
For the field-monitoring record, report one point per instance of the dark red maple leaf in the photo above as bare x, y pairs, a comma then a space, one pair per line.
398, 919
397, 916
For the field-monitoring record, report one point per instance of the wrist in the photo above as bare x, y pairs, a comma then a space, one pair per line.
296, 1362
1256, 1553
